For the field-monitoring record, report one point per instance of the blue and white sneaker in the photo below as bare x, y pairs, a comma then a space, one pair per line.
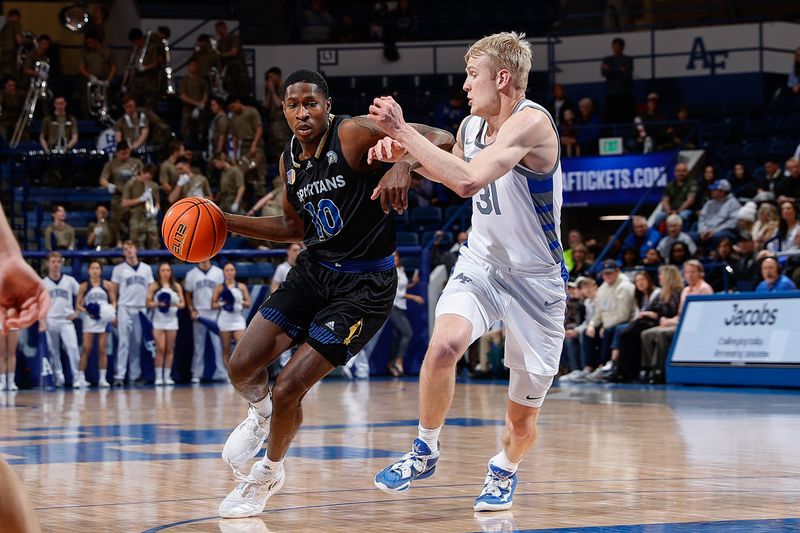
419, 463
498, 490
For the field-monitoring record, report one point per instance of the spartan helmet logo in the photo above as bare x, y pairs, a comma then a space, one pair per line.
332, 157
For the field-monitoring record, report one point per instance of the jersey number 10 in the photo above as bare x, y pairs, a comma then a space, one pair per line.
326, 218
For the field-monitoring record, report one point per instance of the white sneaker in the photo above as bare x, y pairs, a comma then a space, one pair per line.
168, 381
246, 440
12, 386
103, 384
80, 383
195, 381
250, 496
347, 373
570, 378
59, 379
159, 381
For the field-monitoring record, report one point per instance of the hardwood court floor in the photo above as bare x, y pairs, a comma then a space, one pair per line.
148, 460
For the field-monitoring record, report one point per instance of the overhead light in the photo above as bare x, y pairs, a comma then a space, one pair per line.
614, 218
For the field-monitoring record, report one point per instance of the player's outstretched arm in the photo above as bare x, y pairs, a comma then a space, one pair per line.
522, 133
286, 228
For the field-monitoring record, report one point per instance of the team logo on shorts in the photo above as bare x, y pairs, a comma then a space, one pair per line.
463, 279
290, 176
355, 331
332, 157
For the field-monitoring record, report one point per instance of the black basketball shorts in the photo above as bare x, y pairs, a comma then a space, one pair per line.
337, 308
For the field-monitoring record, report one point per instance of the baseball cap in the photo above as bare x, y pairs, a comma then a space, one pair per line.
720, 185
609, 265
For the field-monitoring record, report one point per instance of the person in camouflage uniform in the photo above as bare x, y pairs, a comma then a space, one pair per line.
140, 198
231, 185
115, 174
236, 80
145, 84
194, 93
12, 100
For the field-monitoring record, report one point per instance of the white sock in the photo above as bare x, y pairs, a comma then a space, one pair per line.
81, 375
272, 465
430, 436
160, 373
502, 461
10, 377
264, 406
102, 372
2, 382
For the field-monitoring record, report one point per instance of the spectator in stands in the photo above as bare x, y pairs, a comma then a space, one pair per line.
614, 305
279, 132
656, 341
580, 262
720, 276
568, 134
574, 238
678, 254
746, 217
451, 111
231, 185
248, 145
271, 204
114, 176
101, 234
588, 291
642, 237
316, 23
652, 258
787, 236
59, 131
401, 327
774, 279
617, 69
97, 22
167, 171
766, 225
194, 93
788, 187
165, 298
237, 81
717, 218
132, 127
97, 66
679, 133
140, 198
292, 251
10, 40
630, 259
145, 83
589, 131
12, 101
649, 130
219, 128
208, 63
576, 312
704, 183
41, 54
743, 186
746, 270
404, 21
59, 235
793, 82
189, 184
772, 175
679, 196
230, 298
560, 104
675, 234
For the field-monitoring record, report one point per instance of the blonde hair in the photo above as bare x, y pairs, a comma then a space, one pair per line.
673, 283
506, 50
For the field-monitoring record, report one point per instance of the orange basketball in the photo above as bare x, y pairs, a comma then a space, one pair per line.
194, 229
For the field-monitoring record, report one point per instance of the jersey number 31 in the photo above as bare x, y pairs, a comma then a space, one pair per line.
487, 201
326, 218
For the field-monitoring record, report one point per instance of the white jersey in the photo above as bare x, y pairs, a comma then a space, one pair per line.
166, 319
232, 320
132, 282
516, 220
281, 272
62, 296
95, 294
202, 284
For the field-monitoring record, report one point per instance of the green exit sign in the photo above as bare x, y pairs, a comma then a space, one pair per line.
611, 146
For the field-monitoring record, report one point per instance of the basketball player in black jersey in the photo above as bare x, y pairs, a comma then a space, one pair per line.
339, 293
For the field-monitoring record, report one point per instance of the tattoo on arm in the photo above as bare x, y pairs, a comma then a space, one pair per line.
367, 124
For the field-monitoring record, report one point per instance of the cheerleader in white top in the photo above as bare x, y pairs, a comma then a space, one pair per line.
231, 298
97, 300
8, 360
165, 297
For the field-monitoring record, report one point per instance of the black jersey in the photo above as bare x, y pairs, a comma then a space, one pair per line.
341, 222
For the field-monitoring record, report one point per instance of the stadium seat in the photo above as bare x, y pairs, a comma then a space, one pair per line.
426, 217
782, 149
407, 238
447, 239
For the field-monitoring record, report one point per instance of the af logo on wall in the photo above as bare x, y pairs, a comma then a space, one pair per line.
710, 59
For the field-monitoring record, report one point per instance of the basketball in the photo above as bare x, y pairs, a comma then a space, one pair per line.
194, 229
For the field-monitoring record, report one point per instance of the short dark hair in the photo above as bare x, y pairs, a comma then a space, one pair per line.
203, 38
44, 37
56, 207
273, 70
307, 76
14, 13
182, 159
175, 146
165, 31
92, 34
135, 34
123, 145
149, 169
220, 23
220, 101
618, 40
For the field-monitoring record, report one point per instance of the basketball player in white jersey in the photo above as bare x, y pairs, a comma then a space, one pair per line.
131, 279
292, 251
230, 299
507, 159
165, 297
59, 325
98, 301
199, 285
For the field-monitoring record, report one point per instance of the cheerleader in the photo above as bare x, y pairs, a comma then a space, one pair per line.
97, 300
230, 298
8, 360
165, 297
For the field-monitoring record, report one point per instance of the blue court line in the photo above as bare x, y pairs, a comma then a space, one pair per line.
725, 526
643, 528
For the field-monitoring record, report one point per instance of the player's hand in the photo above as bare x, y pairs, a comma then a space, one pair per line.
590, 331
194, 314
386, 150
387, 114
393, 189
23, 298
